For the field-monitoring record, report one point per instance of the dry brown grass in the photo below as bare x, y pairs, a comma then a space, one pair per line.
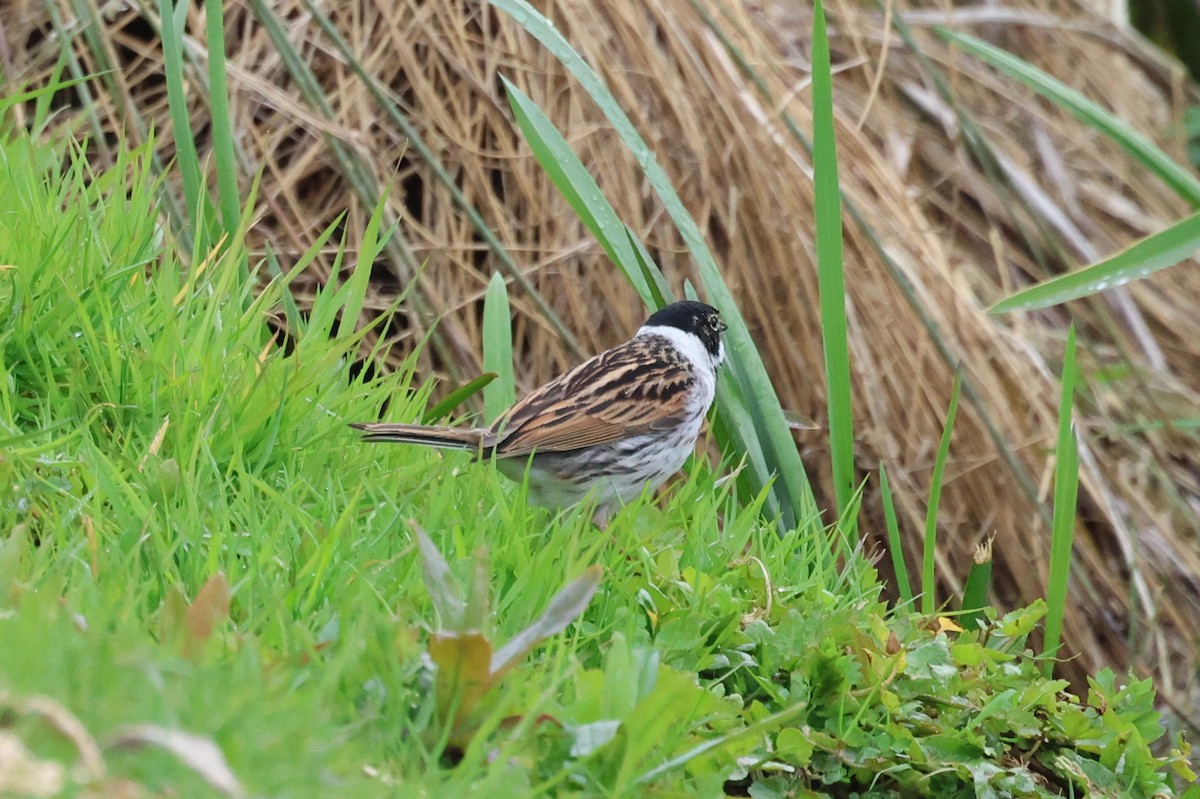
957, 237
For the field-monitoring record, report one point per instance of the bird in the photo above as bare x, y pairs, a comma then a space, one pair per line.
618, 424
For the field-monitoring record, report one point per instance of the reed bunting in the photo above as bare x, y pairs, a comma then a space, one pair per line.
622, 421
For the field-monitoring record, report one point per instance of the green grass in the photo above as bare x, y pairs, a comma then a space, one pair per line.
152, 437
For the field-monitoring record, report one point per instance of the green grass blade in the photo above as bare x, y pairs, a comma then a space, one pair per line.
1175, 175
759, 728
85, 33
979, 583
173, 22
1066, 489
499, 395
895, 545
1168, 247
457, 397
830, 275
228, 195
65, 38
43, 96
352, 295
935, 499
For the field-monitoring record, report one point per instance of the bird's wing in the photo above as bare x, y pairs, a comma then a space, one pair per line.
635, 388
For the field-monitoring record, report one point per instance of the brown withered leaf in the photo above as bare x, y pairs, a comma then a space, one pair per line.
24, 774
210, 607
66, 724
197, 752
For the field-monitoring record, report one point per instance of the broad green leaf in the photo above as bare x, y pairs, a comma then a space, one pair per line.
567, 605
439, 582
498, 395
457, 397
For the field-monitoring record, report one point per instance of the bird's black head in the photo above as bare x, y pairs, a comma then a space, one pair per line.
702, 321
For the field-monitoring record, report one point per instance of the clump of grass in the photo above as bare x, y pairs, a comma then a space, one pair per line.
933, 238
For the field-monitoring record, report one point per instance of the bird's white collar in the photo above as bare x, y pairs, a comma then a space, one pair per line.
688, 344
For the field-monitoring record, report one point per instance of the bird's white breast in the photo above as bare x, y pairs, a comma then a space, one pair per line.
704, 366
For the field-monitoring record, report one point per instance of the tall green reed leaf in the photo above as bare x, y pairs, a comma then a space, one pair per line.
579, 189
224, 157
1178, 177
735, 424
1066, 490
928, 584
830, 275
174, 20
895, 543
947, 350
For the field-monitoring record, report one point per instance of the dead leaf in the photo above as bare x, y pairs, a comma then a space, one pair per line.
156, 442
197, 752
211, 606
93, 544
66, 724
23, 774
945, 625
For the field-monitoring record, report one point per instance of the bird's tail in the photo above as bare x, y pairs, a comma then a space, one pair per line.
427, 435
